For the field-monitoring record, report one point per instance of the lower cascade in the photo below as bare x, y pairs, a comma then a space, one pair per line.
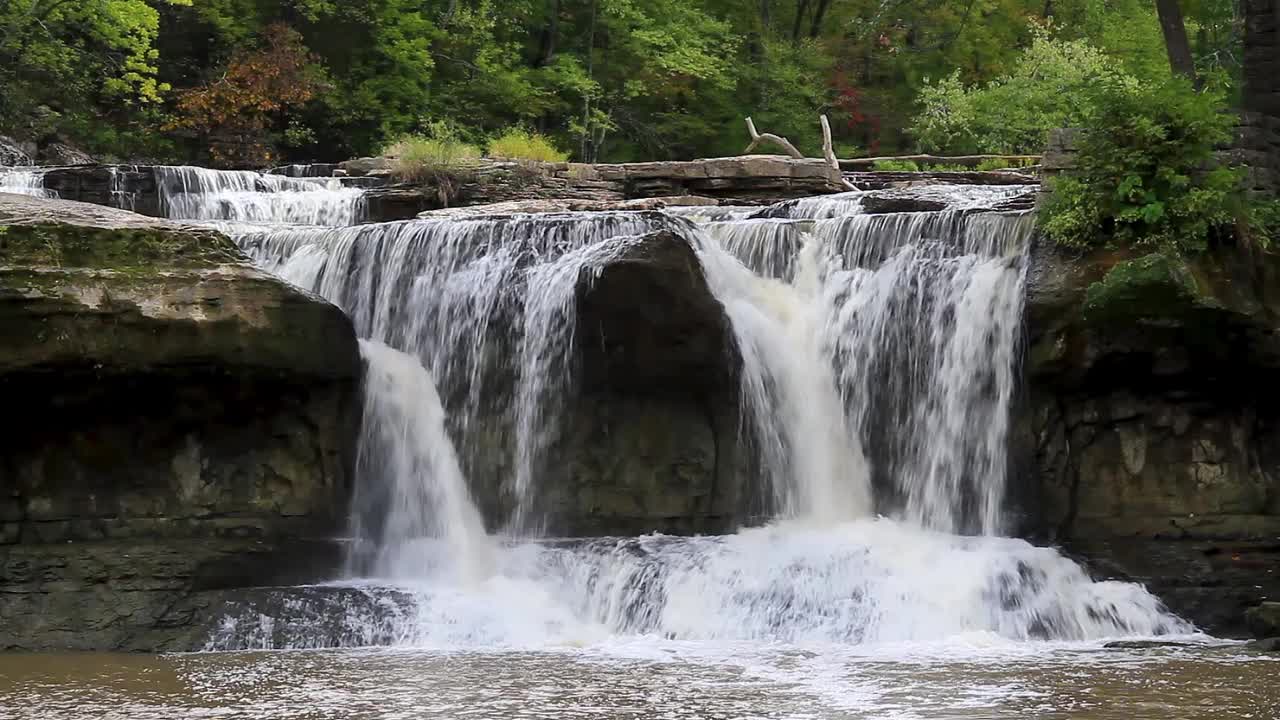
878, 365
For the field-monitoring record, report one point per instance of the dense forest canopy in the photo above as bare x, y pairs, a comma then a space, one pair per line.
242, 82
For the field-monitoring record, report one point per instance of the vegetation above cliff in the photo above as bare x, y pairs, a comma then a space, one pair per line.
252, 81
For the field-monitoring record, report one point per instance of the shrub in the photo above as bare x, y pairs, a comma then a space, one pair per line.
521, 144
1014, 113
1145, 173
438, 153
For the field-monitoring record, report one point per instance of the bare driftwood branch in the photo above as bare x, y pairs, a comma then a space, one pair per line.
829, 152
757, 138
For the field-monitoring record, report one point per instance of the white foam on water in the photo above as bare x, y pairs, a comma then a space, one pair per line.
886, 587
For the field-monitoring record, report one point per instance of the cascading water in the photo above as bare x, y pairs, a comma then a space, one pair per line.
413, 492
878, 365
193, 193
487, 305
24, 181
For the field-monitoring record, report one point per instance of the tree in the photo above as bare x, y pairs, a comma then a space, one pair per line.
1175, 38
234, 112
65, 64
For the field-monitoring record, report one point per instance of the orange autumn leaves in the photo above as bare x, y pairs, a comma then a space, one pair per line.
237, 111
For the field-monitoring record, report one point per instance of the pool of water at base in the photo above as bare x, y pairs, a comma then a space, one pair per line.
976, 678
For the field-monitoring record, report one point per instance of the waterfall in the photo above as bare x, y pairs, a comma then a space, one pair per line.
878, 366
193, 193
412, 493
488, 306
23, 181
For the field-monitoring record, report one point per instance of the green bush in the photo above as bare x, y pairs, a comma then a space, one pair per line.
1145, 173
437, 153
1014, 113
521, 144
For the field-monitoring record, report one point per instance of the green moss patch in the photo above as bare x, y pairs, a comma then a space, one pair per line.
1153, 285
122, 248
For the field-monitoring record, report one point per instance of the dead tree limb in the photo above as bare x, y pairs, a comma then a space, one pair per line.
829, 152
757, 138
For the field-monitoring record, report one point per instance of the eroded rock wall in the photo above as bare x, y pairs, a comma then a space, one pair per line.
179, 423
1153, 423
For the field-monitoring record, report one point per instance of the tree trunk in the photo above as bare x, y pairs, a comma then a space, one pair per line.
1175, 38
819, 13
795, 27
550, 34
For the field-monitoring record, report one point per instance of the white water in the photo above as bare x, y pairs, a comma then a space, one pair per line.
412, 494
24, 181
487, 305
194, 193
878, 365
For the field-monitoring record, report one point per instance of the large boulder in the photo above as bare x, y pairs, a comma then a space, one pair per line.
1152, 420
183, 423
649, 438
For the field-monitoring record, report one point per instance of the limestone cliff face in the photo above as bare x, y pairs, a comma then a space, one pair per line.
179, 422
1151, 427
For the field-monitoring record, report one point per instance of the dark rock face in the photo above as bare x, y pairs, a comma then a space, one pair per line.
650, 440
1151, 424
1262, 56
654, 444
187, 422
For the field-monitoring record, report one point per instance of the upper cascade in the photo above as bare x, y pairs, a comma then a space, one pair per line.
24, 181
243, 196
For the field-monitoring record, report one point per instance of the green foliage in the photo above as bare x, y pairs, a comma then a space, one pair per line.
603, 79
1014, 113
522, 144
439, 154
65, 67
895, 166
1145, 173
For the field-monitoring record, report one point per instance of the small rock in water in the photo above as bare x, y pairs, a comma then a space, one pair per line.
1265, 645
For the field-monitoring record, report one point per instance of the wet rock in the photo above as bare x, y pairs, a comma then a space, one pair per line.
1145, 644
1264, 619
186, 417
554, 205
1269, 645
1150, 421
897, 204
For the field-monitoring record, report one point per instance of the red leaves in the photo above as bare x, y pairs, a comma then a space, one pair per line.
235, 111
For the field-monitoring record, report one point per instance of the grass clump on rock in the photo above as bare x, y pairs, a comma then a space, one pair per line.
438, 152
526, 145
